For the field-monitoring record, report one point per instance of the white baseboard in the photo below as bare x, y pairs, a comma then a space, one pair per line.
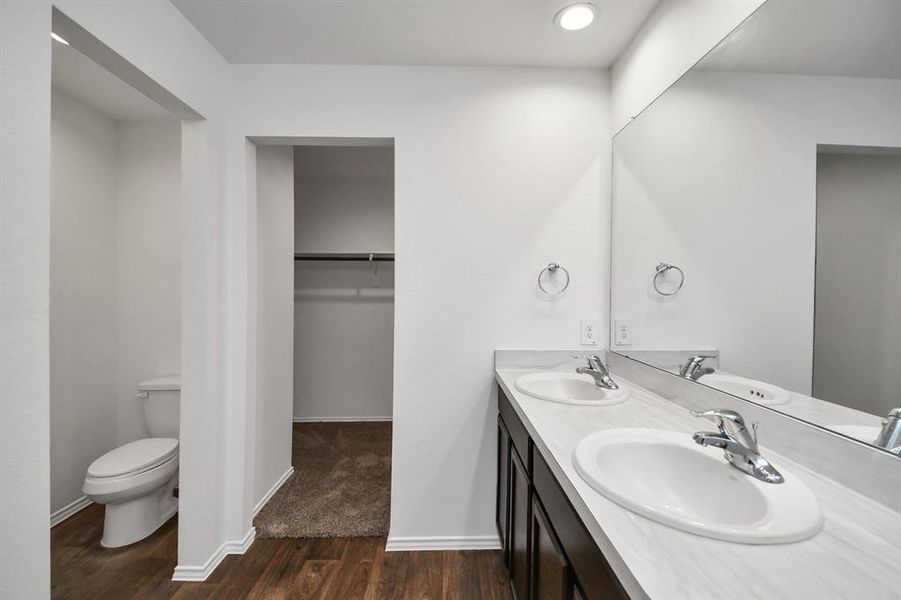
268, 495
461, 542
339, 419
68, 510
200, 573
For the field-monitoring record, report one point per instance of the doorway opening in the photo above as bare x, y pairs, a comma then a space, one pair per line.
115, 324
857, 325
342, 307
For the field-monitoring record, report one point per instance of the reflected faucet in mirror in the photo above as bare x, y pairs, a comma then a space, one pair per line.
597, 370
694, 369
738, 444
890, 434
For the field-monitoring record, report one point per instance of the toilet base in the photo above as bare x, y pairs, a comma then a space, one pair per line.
132, 521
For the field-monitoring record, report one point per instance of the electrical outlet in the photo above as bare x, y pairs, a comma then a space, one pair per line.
589, 336
622, 332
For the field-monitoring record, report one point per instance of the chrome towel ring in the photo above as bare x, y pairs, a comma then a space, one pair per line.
551, 269
662, 269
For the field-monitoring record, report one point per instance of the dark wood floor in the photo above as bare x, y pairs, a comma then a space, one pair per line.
334, 568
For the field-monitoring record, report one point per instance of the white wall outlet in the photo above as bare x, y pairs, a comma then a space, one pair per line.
622, 332
589, 336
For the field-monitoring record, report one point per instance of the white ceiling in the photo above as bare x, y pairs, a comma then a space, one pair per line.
414, 32
80, 77
853, 38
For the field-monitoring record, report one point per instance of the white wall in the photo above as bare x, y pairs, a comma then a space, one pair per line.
719, 177
83, 233
676, 35
24, 299
148, 278
344, 341
857, 328
345, 198
275, 354
498, 172
344, 327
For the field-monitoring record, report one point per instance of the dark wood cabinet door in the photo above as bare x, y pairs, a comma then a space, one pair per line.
502, 510
588, 566
551, 579
520, 505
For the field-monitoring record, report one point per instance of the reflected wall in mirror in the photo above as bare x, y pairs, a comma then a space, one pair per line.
770, 173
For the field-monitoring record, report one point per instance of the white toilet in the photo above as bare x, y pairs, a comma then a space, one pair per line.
137, 481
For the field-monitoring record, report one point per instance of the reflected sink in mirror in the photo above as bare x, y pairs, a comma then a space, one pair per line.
569, 388
666, 477
748, 389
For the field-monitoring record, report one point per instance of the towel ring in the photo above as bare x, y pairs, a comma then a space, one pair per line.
550, 269
662, 268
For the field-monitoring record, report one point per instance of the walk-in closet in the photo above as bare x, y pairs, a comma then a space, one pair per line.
343, 328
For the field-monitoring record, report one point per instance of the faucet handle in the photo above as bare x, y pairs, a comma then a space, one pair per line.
736, 431
693, 364
720, 416
587, 356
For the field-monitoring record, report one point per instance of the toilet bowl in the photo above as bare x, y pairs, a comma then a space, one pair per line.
137, 481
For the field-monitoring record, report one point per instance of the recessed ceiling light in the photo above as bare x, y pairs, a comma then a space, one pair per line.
58, 38
575, 17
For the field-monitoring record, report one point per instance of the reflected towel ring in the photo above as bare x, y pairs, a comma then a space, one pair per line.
550, 269
662, 268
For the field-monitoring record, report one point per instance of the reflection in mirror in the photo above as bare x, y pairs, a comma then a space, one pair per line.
770, 174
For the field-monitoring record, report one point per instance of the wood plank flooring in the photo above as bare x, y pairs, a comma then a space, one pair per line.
325, 569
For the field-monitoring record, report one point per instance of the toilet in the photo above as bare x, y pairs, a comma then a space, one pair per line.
137, 481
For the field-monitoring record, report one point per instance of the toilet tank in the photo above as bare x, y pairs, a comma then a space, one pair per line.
161, 405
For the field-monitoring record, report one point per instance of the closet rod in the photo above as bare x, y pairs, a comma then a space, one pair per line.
347, 256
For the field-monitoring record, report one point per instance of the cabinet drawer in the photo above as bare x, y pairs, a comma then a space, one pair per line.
594, 575
515, 428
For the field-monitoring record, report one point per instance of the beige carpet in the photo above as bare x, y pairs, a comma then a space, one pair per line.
340, 486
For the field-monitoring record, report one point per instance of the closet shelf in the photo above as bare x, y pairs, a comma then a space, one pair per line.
347, 256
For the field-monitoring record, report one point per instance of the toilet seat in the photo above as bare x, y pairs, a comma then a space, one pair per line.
134, 458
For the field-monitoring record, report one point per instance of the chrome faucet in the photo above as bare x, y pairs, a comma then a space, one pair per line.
693, 369
739, 444
890, 435
597, 370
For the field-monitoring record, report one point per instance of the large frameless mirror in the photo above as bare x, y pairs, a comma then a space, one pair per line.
769, 178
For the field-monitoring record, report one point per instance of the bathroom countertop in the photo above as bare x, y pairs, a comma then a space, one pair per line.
857, 553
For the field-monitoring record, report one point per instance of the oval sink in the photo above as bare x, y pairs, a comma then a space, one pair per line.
569, 388
749, 389
666, 477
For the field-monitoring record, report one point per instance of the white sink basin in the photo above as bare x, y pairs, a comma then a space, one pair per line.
749, 389
666, 477
569, 388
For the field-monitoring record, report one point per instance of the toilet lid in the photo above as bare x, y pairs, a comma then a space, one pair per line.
134, 457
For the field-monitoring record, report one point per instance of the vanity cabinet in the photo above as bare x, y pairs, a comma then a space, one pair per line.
548, 551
